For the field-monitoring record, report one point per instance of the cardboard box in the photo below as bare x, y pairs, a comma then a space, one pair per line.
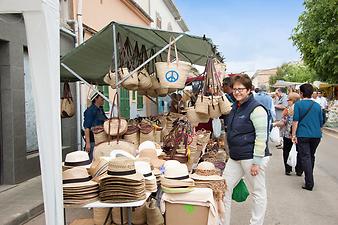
186, 214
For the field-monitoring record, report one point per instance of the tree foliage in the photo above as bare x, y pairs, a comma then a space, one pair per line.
294, 73
316, 37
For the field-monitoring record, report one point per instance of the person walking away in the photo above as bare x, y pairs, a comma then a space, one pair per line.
280, 104
249, 154
323, 103
286, 125
265, 99
93, 116
306, 132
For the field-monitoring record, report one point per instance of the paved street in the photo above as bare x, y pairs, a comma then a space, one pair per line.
288, 204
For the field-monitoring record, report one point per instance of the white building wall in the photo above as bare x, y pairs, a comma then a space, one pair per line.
158, 6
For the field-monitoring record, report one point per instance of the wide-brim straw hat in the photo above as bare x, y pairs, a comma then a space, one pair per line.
76, 159
176, 190
177, 176
206, 171
122, 167
98, 167
150, 145
144, 168
77, 177
104, 149
151, 153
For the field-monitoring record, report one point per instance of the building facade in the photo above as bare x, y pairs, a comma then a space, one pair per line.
19, 153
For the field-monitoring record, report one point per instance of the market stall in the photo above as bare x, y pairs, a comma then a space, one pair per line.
136, 161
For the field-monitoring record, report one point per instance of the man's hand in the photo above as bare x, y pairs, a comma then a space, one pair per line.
254, 170
294, 140
88, 147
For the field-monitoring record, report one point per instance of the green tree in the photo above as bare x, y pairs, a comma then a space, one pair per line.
316, 37
294, 73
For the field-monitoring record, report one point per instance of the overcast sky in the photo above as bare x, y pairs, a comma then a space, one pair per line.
251, 34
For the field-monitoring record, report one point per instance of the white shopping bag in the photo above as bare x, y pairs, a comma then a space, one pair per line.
274, 135
292, 159
216, 127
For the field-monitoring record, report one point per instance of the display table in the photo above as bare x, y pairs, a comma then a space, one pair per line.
99, 204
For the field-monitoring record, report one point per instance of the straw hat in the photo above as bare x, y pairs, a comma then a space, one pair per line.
122, 167
170, 190
144, 168
104, 149
77, 177
171, 163
206, 171
92, 95
177, 176
118, 153
98, 167
150, 145
151, 153
77, 158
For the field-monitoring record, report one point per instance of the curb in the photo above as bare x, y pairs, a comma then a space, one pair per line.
330, 130
27, 216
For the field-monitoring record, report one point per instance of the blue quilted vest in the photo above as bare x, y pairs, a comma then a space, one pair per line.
241, 132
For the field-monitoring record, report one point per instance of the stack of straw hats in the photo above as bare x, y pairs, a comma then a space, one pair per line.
78, 188
176, 178
207, 176
121, 183
98, 168
144, 168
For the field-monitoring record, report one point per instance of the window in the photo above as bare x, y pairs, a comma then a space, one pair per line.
158, 21
133, 97
170, 28
139, 101
31, 134
106, 93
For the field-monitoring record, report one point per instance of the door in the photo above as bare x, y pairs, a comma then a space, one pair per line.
124, 103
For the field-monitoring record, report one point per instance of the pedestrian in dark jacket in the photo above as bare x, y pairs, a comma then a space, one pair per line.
249, 155
306, 132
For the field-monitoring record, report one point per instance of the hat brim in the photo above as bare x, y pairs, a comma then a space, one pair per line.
211, 178
86, 184
135, 177
176, 190
69, 167
177, 183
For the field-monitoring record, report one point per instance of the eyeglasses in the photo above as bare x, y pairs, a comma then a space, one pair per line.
239, 90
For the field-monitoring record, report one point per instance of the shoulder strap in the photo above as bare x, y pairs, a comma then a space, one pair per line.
308, 110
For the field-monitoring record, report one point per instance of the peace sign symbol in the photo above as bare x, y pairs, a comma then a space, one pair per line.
171, 76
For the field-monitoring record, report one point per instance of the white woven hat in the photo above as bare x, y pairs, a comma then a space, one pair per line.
206, 171
119, 153
144, 168
77, 177
177, 176
92, 94
150, 145
77, 158
171, 163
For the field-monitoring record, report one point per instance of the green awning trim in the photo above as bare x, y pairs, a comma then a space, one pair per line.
92, 59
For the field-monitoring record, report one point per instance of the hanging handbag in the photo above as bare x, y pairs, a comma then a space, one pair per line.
172, 74
202, 104
127, 56
214, 109
115, 126
67, 103
143, 75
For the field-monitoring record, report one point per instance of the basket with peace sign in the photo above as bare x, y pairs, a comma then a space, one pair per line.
172, 74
